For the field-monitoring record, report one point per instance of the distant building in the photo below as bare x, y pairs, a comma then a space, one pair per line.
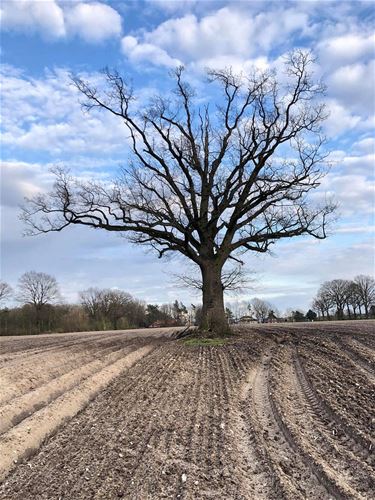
247, 319
273, 319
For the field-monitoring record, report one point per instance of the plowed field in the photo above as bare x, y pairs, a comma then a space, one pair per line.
279, 411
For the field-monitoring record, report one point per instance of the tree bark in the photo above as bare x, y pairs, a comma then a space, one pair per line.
348, 309
213, 319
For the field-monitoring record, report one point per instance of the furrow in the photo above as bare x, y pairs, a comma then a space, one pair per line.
52, 369
156, 400
358, 444
346, 389
260, 477
312, 430
291, 463
359, 360
23, 406
20, 442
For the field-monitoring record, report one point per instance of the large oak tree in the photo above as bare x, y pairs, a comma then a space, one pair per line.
207, 180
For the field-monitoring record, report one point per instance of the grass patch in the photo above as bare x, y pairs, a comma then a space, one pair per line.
198, 342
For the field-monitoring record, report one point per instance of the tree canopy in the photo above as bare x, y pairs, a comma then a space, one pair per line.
207, 180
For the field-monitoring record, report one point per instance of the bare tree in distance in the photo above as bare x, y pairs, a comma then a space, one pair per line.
37, 290
365, 288
115, 305
209, 181
233, 280
337, 291
91, 302
322, 304
5, 291
354, 298
105, 304
260, 309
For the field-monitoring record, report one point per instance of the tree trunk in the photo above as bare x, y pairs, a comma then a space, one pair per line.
213, 319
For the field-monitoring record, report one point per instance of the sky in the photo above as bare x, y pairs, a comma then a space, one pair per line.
43, 42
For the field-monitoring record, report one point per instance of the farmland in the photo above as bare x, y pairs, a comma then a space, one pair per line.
278, 411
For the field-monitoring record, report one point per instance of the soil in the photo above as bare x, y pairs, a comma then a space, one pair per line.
278, 411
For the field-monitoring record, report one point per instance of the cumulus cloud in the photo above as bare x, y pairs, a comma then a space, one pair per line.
44, 16
354, 193
230, 31
353, 86
242, 36
44, 114
356, 161
340, 119
346, 49
365, 145
172, 6
144, 52
93, 22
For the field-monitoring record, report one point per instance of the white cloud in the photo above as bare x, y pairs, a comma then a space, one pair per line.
340, 119
353, 162
354, 193
355, 228
346, 49
44, 114
20, 179
353, 86
33, 16
291, 277
363, 164
232, 32
93, 22
172, 6
365, 145
224, 32
144, 52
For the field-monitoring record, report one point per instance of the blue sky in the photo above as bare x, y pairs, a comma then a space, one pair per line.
43, 41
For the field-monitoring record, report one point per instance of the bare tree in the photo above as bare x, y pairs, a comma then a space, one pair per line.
260, 309
91, 301
115, 304
37, 290
365, 287
207, 182
5, 291
106, 304
323, 302
319, 306
233, 280
335, 292
354, 298
350, 296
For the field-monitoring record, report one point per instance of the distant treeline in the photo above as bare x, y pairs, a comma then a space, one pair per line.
346, 299
41, 310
